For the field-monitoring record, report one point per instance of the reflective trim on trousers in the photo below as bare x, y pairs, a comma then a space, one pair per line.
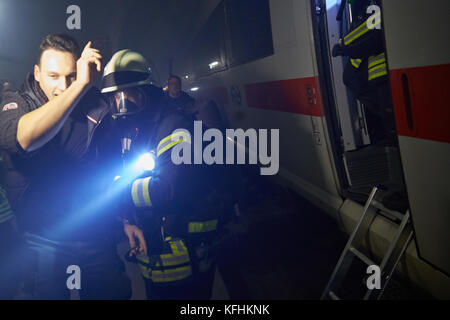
206, 226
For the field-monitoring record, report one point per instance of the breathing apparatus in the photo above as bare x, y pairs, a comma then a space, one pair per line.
127, 83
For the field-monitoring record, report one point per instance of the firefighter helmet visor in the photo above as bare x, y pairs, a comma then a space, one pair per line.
128, 101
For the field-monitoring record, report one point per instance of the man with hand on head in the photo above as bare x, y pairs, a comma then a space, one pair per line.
53, 172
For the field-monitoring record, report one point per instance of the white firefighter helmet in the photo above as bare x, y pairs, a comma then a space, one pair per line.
125, 69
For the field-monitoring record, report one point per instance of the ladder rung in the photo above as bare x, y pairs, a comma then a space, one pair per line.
361, 256
381, 207
333, 296
391, 258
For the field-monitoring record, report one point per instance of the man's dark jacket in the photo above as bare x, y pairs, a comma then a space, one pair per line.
182, 102
56, 191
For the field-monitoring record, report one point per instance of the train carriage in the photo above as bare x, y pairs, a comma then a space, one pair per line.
283, 70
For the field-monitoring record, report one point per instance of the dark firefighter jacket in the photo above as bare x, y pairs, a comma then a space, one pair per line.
176, 194
54, 190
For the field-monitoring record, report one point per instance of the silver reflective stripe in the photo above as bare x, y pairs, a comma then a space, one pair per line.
146, 273
206, 226
6, 216
5, 209
140, 192
356, 62
175, 259
177, 274
179, 246
168, 142
137, 193
361, 30
142, 258
168, 259
378, 71
374, 60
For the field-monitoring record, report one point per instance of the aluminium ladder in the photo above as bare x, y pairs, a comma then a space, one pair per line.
354, 246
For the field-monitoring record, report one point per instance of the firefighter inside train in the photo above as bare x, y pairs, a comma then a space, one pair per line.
171, 213
365, 72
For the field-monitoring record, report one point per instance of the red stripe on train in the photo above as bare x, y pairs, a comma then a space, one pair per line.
421, 99
301, 96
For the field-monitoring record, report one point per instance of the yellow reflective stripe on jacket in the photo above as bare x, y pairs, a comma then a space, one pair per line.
172, 140
173, 135
140, 193
168, 146
375, 60
356, 62
378, 71
170, 275
5, 209
179, 254
206, 226
178, 257
173, 260
177, 246
6, 215
362, 30
146, 273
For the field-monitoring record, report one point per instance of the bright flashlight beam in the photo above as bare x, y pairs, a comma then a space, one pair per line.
103, 203
146, 162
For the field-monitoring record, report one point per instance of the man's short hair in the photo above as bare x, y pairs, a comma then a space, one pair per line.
59, 42
175, 77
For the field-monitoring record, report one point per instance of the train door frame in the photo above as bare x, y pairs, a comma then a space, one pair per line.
341, 153
331, 117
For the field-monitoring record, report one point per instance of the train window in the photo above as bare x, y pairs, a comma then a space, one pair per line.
208, 49
250, 30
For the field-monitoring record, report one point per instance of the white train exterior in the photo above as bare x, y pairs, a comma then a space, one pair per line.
285, 90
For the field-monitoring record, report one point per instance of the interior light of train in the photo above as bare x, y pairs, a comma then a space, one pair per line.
214, 64
195, 89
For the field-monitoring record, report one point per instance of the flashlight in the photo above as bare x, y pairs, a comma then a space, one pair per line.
144, 165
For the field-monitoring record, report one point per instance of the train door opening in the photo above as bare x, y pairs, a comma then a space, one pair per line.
353, 72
